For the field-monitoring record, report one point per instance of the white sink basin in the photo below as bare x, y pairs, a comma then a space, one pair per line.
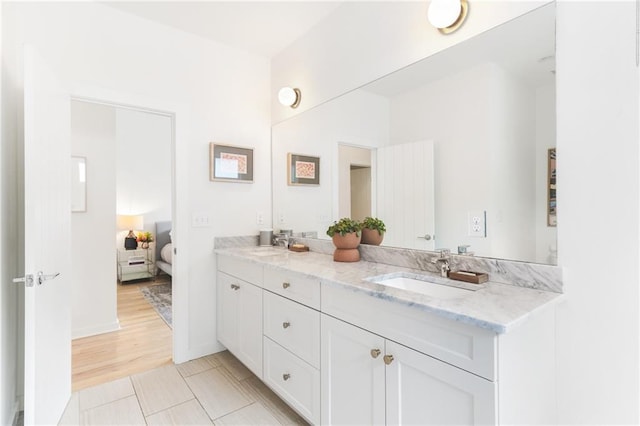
421, 284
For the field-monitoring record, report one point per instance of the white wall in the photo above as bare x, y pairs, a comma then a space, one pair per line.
597, 142
597, 139
143, 165
225, 94
93, 278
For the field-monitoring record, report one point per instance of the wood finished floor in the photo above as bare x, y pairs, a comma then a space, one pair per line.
144, 342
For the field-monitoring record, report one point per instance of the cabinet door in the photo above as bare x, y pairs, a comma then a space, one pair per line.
228, 298
352, 375
423, 390
249, 314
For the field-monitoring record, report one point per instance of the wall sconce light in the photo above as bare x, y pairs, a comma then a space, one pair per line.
289, 97
447, 15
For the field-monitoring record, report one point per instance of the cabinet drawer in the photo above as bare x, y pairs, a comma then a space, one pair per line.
293, 326
242, 269
294, 380
465, 346
293, 286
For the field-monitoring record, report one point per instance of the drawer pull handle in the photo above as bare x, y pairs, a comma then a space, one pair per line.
388, 359
286, 376
235, 286
375, 353
286, 324
286, 285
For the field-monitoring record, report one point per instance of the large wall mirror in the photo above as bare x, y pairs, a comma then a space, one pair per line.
461, 135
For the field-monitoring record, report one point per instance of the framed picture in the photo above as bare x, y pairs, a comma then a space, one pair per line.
303, 170
552, 208
230, 163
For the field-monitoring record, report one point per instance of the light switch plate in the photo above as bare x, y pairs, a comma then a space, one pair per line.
477, 223
200, 220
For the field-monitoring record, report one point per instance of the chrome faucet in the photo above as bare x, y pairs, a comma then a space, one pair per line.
281, 238
443, 262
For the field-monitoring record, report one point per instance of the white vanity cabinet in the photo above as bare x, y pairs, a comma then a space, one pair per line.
367, 379
239, 314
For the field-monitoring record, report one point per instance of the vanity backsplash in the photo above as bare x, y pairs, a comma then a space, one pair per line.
521, 274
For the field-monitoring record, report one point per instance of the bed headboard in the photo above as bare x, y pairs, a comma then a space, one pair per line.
162, 236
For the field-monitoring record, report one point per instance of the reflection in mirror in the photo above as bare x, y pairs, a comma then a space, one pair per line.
458, 144
78, 184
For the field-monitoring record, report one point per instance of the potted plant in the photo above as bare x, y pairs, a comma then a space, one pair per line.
144, 238
345, 234
373, 230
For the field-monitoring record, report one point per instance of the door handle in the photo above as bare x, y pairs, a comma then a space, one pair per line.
43, 277
426, 237
27, 280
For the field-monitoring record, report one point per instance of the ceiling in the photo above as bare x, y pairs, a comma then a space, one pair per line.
260, 27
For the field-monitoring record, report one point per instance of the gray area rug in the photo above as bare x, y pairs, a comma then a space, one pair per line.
159, 296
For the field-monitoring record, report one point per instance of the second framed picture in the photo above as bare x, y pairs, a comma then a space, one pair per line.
303, 169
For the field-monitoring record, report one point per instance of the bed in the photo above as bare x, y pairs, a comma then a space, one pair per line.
164, 249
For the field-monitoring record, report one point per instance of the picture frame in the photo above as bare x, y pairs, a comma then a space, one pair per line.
552, 207
228, 163
303, 170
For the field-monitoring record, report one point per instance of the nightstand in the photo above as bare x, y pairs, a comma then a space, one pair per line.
136, 264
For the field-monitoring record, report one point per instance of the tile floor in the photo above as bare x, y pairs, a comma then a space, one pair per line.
216, 389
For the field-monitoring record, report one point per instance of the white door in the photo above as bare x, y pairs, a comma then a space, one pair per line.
405, 194
352, 375
47, 214
422, 390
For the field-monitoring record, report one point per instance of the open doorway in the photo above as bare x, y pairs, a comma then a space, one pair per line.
355, 181
121, 296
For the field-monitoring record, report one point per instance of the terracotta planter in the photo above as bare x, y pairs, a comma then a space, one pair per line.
371, 237
346, 255
346, 247
347, 241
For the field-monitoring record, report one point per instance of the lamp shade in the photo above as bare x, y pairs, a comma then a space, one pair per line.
130, 222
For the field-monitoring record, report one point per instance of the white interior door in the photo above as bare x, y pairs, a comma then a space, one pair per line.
47, 211
405, 194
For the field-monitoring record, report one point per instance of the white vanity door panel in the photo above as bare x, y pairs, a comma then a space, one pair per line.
228, 300
294, 326
352, 376
422, 390
293, 286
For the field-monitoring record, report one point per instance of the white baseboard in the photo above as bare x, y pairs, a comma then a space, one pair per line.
95, 330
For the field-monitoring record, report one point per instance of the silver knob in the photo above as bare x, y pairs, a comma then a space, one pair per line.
286, 285
286, 324
375, 353
388, 359
286, 376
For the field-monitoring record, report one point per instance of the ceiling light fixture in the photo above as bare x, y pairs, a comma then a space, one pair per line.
447, 15
289, 97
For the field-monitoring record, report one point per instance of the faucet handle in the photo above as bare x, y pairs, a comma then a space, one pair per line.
444, 253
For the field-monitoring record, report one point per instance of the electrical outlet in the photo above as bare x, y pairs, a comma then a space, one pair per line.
281, 218
260, 218
200, 220
477, 223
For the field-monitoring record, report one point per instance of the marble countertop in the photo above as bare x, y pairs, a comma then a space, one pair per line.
494, 306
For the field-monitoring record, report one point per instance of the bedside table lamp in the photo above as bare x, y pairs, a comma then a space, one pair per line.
130, 223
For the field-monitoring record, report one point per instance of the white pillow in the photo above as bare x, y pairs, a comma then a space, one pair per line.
167, 253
